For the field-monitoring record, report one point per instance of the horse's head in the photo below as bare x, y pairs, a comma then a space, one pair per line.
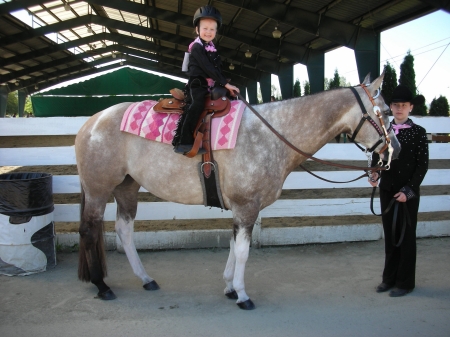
374, 128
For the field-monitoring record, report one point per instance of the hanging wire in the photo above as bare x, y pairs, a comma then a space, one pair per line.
434, 64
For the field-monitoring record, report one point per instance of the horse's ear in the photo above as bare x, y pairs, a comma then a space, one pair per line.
376, 84
366, 81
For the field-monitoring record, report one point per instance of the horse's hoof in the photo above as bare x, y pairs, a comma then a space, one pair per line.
232, 295
151, 285
246, 305
107, 295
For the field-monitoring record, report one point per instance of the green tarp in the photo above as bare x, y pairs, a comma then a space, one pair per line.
79, 100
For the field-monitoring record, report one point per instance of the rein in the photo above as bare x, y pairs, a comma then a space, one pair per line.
405, 220
284, 140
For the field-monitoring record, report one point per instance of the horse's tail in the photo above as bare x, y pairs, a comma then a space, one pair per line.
91, 239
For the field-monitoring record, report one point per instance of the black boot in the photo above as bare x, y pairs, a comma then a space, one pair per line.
184, 135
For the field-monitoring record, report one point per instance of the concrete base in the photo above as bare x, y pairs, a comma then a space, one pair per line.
220, 238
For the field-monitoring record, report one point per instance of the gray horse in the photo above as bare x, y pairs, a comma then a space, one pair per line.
251, 175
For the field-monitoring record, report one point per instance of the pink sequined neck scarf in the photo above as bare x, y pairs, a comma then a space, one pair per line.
398, 127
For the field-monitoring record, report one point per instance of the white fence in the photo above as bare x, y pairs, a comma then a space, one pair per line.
63, 184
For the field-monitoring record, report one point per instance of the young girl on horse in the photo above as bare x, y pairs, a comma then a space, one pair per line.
204, 72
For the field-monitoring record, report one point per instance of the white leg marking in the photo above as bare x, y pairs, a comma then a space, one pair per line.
125, 231
228, 273
241, 250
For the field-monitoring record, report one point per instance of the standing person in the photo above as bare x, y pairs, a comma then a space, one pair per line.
204, 70
402, 183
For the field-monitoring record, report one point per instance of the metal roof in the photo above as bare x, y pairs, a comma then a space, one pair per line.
154, 34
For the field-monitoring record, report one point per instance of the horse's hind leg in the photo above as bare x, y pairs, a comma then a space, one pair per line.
126, 197
92, 261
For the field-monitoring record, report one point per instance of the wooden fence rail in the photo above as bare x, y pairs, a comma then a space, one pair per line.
328, 207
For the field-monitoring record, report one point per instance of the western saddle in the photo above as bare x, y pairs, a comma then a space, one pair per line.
216, 105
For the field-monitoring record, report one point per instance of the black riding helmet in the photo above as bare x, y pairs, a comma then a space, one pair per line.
207, 12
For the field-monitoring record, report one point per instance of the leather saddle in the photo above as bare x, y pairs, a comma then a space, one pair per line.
216, 105
216, 102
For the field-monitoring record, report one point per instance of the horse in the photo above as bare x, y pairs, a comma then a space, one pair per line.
251, 175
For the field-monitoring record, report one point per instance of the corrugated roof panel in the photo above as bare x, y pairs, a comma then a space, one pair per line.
168, 27
113, 13
310, 5
130, 18
170, 5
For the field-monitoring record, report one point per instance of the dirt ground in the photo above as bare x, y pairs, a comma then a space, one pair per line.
325, 290
48, 141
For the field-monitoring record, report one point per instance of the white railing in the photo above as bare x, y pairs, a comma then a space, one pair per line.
345, 206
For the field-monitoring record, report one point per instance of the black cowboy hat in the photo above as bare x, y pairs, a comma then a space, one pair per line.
207, 12
403, 94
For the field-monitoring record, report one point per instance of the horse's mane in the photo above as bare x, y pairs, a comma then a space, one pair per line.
306, 96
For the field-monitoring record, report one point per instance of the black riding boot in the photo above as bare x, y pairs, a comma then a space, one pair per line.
197, 89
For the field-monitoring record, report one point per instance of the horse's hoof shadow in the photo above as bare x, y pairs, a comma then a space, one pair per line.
151, 285
246, 305
232, 295
107, 295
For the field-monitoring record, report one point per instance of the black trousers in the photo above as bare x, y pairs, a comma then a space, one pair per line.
196, 90
400, 262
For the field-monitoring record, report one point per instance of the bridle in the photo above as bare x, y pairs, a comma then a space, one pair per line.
365, 117
382, 132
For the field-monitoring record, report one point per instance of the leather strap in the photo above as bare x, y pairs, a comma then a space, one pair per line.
284, 140
332, 181
405, 220
197, 142
208, 156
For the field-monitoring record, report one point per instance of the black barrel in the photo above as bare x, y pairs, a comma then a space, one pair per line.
27, 230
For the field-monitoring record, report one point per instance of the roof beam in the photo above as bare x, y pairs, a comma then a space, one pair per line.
328, 28
268, 65
156, 53
293, 52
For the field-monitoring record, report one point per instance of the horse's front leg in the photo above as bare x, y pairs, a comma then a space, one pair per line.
241, 250
228, 274
235, 268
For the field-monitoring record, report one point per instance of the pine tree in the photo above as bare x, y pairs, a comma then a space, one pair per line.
408, 79
407, 73
439, 107
335, 82
297, 88
389, 83
306, 88
420, 109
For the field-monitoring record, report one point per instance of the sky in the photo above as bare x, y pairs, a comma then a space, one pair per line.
427, 38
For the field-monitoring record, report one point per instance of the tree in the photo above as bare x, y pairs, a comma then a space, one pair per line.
439, 107
297, 88
335, 82
389, 83
420, 109
343, 82
28, 106
407, 73
408, 79
12, 104
306, 88
275, 92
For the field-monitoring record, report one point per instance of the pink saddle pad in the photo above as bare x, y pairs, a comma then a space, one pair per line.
140, 120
